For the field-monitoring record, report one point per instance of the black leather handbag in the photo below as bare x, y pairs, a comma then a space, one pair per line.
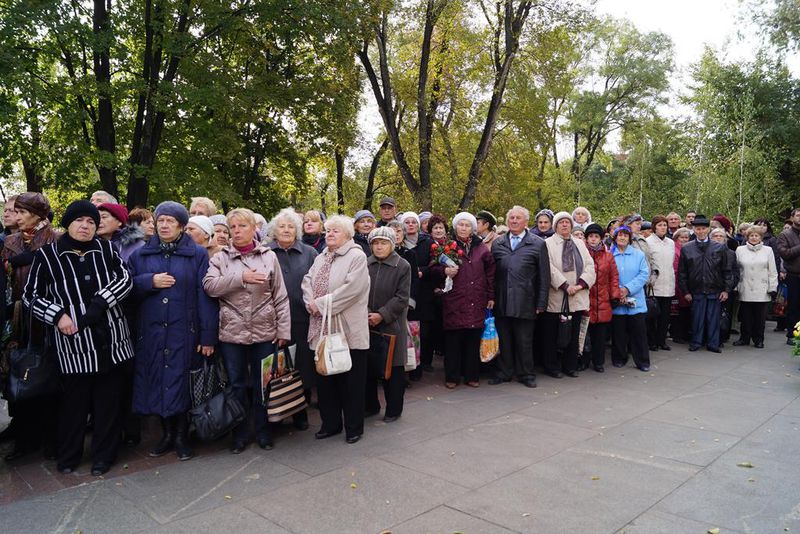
33, 371
564, 335
218, 414
652, 305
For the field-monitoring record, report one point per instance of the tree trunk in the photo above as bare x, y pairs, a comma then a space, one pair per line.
373, 170
33, 179
339, 180
105, 137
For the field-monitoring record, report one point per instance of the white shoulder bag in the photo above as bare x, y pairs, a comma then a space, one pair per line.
333, 355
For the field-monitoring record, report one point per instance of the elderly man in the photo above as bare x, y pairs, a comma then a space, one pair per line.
486, 227
673, 223
387, 210
522, 279
705, 276
690, 217
102, 197
788, 245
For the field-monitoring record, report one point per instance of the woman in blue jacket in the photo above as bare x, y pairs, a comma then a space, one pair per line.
177, 325
628, 324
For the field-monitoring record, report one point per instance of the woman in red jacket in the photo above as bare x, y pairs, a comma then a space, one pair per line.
603, 292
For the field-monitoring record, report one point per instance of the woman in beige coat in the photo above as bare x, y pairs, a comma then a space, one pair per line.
757, 285
572, 274
254, 317
341, 272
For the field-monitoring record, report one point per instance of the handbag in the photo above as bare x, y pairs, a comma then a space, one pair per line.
490, 342
217, 410
413, 345
206, 381
564, 334
652, 305
332, 356
33, 371
381, 351
285, 394
779, 306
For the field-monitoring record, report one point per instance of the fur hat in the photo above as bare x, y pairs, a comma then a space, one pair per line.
562, 215
466, 216
80, 208
118, 211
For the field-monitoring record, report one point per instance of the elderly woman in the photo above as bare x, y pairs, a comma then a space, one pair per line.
222, 232
581, 217
572, 274
628, 324
429, 298
339, 276
602, 296
92, 336
202, 206
313, 235
390, 284
663, 251
177, 325
758, 284
544, 224
143, 218
201, 230
125, 238
296, 259
34, 421
464, 306
720, 235
681, 326
364, 222
424, 221
634, 223
254, 318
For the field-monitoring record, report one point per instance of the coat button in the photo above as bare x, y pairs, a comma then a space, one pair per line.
166, 351
165, 300
81, 259
87, 277
164, 324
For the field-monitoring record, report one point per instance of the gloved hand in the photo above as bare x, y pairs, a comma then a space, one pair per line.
94, 314
22, 259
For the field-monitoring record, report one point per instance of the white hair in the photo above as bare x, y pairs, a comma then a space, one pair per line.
206, 203
525, 213
287, 215
343, 223
716, 231
110, 199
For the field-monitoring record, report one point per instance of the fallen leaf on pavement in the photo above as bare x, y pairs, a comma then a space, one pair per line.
747, 465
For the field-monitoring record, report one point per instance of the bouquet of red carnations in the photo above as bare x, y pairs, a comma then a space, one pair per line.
448, 255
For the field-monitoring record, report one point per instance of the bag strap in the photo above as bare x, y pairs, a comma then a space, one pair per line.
565, 303
325, 316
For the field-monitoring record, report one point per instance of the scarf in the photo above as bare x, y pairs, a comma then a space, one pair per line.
571, 259
246, 249
596, 248
319, 287
312, 240
172, 246
410, 243
27, 237
754, 248
73, 244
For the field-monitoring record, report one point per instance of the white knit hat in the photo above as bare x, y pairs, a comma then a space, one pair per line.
466, 216
562, 215
204, 223
406, 215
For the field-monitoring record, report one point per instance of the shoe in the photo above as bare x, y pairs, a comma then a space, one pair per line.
495, 381
778, 329
132, 440
323, 435
759, 344
599, 369
182, 447
643, 368
265, 443
618, 364
390, 418
665, 347
426, 367
301, 425
100, 468
740, 343
571, 374
555, 374
65, 469
694, 348
679, 341
474, 384
167, 441
238, 447
353, 439
16, 454
714, 349
450, 385
653, 348
528, 382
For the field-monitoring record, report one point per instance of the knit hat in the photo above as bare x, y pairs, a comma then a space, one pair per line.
562, 215
382, 232
424, 216
408, 215
486, 216
633, 217
219, 219
361, 214
544, 212
646, 225
724, 221
173, 209
118, 211
35, 203
594, 228
204, 223
80, 208
466, 216
623, 228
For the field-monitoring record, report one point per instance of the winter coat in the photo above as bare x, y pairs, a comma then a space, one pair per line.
735, 273
704, 268
19, 255
788, 248
295, 262
410, 256
172, 323
249, 313
682, 302
759, 275
633, 271
606, 286
473, 287
349, 285
639, 242
363, 242
127, 240
663, 254
317, 242
389, 287
521, 276
424, 306
97, 284
580, 300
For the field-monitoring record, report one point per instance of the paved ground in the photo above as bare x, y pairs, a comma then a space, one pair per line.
624, 451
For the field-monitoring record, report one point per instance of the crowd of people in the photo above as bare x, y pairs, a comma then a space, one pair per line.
129, 303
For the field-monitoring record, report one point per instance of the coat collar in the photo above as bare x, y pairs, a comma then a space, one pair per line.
234, 253
62, 247
186, 247
392, 261
347, 247
297, 246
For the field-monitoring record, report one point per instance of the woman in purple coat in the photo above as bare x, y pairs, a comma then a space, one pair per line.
177, 325
464, 306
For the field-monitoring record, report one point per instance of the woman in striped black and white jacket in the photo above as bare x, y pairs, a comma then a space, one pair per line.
76, 285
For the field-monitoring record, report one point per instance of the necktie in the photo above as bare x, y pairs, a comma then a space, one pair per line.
514, 242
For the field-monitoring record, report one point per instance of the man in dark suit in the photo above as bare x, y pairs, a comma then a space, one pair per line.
522, 279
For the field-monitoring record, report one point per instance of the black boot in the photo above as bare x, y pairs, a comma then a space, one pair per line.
182, 447
167, 441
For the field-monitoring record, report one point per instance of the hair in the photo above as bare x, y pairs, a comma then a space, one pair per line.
260, 220
139, 215
657, 219
501, 229
245, 214
110, 199
794, 210
691, 211
437, 219
312, 215
714, 225
525, 213
764, 222
680, 231
343, 223
743, 227
289, 215
673, 214
12, 198
755, 229
720, 230
581, 209
204, 202
396, 225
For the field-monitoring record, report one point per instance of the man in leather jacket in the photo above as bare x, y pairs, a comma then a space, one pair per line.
788, 245
705, 277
